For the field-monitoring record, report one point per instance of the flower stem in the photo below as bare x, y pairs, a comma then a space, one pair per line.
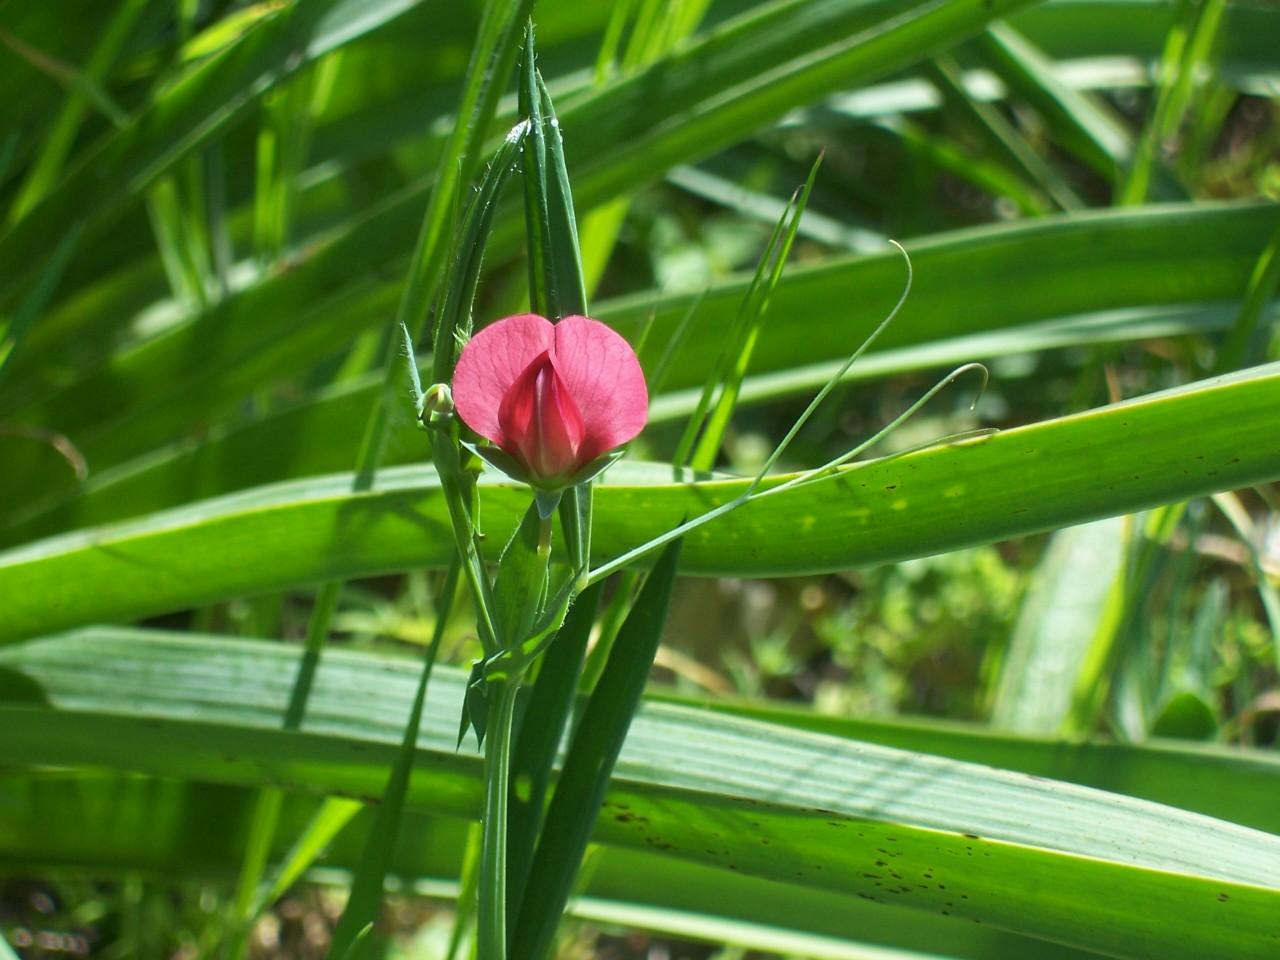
544, 539
452, 481
492, 931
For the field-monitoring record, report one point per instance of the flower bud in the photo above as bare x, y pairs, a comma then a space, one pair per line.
437, 403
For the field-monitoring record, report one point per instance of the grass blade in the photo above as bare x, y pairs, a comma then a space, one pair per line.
366, 886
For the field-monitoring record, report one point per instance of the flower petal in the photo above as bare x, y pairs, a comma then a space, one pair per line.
604, 378
540, 422
491, 362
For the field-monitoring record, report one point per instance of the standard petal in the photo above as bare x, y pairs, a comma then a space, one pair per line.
491, 362
603, 376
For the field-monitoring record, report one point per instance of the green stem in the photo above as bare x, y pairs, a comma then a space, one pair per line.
493, 846
452, 481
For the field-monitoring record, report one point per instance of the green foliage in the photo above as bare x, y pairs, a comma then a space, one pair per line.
224, 225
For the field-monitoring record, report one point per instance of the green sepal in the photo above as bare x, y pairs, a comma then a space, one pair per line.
507, 464
546, 502
500, 461
594, 468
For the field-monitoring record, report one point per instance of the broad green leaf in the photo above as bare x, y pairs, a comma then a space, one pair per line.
1050, 860
987, 279
1210, 436
1222, 782
60, 817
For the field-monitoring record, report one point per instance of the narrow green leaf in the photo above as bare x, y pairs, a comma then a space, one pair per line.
1245, 343
726, 379
1077, 594
366, 886
562, 225
1268, 595
589, 764
183, 252
538, 247
330, 820
452, 325
999, 137
1187, 47
542, 727
266, 817
81, 84
365, 899
493, 55
55, 147
37, 298
1116, 650
556, 286
357, 945
1084, 124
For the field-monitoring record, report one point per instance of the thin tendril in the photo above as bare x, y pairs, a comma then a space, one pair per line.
819, 472
831, 383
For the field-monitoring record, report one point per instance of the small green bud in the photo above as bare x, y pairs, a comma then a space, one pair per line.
437, 403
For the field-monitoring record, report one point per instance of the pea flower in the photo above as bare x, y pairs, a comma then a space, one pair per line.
554, 398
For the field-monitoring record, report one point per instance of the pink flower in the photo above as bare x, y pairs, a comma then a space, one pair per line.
553, 397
